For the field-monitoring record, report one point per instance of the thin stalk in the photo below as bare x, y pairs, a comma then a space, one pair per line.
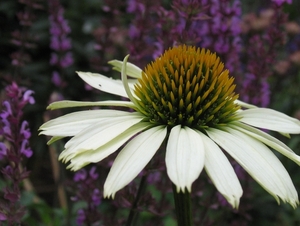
132, 214
182, 207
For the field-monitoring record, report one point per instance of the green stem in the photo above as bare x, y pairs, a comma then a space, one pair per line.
140, 191
182, 207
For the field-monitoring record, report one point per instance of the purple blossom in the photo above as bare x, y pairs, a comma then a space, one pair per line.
6, 129
3, 217
96, 197
3, 150
54, 59
66, 60
154, 177
27, 97
80, 219
86, 190
59, 31
134, 6
153, 25
93, 174
221, 31
260, 54
16, 132
80, 175
56, 79
61, 44
210, 24
281, 2
25, 150
8, 111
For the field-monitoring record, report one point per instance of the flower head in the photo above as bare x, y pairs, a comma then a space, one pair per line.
187, 87
187, 98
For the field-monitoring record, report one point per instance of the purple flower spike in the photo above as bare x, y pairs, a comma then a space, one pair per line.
261, 52
61, 44
16, 133
87, 191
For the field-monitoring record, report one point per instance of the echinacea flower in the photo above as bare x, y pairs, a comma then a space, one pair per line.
187, 98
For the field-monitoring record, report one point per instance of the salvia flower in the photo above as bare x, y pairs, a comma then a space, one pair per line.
13, 151
222, 32
86, 190
61, 44
187, 98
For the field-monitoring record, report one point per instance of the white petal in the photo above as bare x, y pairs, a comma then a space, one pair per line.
70, 103
270, 119
244, 104
132, 70
98, 134
104, 83
73, 123
81, 159
184, 157
221, 172
259, 162
133, 158
268, 140
54, 139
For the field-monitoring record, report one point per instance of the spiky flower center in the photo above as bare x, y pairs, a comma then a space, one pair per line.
187, 86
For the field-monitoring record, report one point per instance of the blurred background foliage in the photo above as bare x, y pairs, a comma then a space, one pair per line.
102, 30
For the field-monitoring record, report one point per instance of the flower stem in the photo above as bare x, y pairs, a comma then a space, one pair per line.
130, 219
182, 207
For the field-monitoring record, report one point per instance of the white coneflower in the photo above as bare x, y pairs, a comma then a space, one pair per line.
187, 97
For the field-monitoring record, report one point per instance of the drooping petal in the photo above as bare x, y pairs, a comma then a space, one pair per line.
184, 157
259, 162
81, 159
268, 140
270, 119
104, 83
128, 90
70, 103
221, 172
132, 70
244, 104
97, 135
73, 123
133, 158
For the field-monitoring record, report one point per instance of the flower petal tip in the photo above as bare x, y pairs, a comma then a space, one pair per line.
112, 62
73, 167
62, 158
293, 202
234, 202
183, 189
107, 195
